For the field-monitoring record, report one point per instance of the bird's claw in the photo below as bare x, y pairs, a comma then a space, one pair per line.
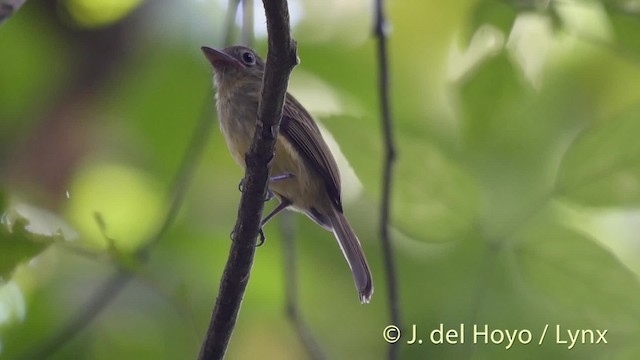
241, 185
269, 195
262, 238
261, 241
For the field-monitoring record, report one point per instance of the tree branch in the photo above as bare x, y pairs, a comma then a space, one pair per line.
287, 230
281, 59
390, 155
8, 8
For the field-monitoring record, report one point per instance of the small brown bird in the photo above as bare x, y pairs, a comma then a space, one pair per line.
305, 174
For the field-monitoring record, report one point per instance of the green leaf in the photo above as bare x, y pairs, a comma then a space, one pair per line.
626, 26
435, 199
18, 244
602, 165
577, 278
505, 139
555, 18
491, 98
500, 14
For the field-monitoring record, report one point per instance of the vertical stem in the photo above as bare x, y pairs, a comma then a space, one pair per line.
247, 36
389, 159
230, 22
291, 289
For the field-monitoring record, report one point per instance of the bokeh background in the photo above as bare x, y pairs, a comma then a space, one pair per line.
515, 202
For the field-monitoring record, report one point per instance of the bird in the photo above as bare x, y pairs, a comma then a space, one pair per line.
305, 174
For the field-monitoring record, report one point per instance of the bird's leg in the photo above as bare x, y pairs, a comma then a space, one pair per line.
271, 179
284, 176
269, 195
281, 206
274, 179
284, 203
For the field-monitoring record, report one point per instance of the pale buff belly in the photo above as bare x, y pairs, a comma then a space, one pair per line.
305, 190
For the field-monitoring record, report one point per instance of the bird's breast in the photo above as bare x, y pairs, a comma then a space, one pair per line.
237, 123
306, 189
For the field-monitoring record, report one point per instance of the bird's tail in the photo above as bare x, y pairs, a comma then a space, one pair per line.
352, 251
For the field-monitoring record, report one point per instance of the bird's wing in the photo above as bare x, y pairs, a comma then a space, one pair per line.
299, 128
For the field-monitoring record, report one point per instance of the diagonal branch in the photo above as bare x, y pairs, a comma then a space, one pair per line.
108, 291
281, 59
116, 283
390, 155
8, 8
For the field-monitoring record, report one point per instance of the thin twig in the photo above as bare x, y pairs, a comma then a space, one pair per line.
230, 22
389, 158
281, 59
107, 292
98, 302
8, 8
247, 35
291, 289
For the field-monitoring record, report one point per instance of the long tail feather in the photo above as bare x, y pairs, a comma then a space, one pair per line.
352, 251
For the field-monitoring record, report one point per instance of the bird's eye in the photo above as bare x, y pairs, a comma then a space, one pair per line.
248, 58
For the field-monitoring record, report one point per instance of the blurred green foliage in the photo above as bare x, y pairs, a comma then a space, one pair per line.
18, 245
516, 125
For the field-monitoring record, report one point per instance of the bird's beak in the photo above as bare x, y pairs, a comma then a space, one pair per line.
218, 58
